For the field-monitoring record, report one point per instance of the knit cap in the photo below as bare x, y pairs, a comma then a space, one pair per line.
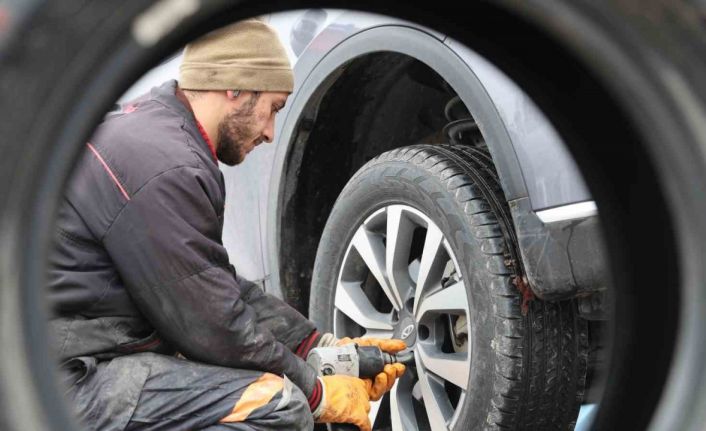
246, 55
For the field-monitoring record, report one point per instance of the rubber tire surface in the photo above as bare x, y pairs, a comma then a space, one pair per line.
528, 370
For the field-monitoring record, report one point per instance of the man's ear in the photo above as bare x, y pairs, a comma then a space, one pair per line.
232, 94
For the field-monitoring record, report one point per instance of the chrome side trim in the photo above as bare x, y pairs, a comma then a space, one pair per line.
568, 212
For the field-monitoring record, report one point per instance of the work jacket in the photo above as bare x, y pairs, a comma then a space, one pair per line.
139, 264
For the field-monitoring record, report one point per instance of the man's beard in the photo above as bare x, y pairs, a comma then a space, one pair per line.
234, 133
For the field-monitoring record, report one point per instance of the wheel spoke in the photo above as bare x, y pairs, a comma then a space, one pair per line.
452, 367
378, 333
400, 230
401, 407
433, 260
436, 403
351, 301
372, 251
374, 409
449, 299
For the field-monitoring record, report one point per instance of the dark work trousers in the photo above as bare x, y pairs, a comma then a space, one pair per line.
149, 391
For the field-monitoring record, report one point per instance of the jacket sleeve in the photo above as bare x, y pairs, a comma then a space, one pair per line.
166, 245
287, 325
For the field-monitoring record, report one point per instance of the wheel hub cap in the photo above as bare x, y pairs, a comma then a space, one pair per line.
406, 331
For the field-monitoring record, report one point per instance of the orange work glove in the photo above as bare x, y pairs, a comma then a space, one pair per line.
387, 345
384, 381
345, 401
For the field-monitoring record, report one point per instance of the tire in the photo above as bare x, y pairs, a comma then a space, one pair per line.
528, 358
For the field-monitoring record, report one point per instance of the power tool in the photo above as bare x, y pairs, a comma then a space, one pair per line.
353, 360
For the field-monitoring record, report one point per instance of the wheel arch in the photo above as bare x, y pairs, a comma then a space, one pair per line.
304, 192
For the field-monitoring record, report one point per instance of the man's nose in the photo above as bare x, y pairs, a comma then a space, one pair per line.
269, 132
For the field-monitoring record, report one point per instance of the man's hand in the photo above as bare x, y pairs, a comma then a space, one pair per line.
392, 346
345, 400
383, 381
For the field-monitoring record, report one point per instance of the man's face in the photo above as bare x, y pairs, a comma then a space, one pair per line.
247, 125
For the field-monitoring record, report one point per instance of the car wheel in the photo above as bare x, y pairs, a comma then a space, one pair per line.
420, 246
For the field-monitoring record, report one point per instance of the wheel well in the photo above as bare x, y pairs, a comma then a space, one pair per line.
372, 104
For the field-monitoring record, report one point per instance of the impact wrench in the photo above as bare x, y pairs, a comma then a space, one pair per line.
364, 362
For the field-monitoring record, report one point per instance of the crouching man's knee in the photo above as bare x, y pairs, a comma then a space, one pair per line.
275, 402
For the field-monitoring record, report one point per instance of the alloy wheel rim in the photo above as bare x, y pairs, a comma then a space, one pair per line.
399, 278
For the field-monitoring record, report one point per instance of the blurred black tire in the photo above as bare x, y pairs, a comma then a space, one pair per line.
623, 82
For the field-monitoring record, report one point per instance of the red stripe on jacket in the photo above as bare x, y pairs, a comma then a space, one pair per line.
108, 170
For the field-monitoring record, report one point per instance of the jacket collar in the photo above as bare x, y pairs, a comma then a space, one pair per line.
166, 94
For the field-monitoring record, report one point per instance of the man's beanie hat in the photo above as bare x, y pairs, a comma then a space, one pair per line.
246, 55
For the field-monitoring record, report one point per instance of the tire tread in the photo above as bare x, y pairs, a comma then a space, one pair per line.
548, 392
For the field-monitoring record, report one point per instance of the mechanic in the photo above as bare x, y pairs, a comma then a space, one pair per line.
154, 327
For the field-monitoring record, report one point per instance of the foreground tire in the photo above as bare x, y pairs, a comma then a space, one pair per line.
420, 246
